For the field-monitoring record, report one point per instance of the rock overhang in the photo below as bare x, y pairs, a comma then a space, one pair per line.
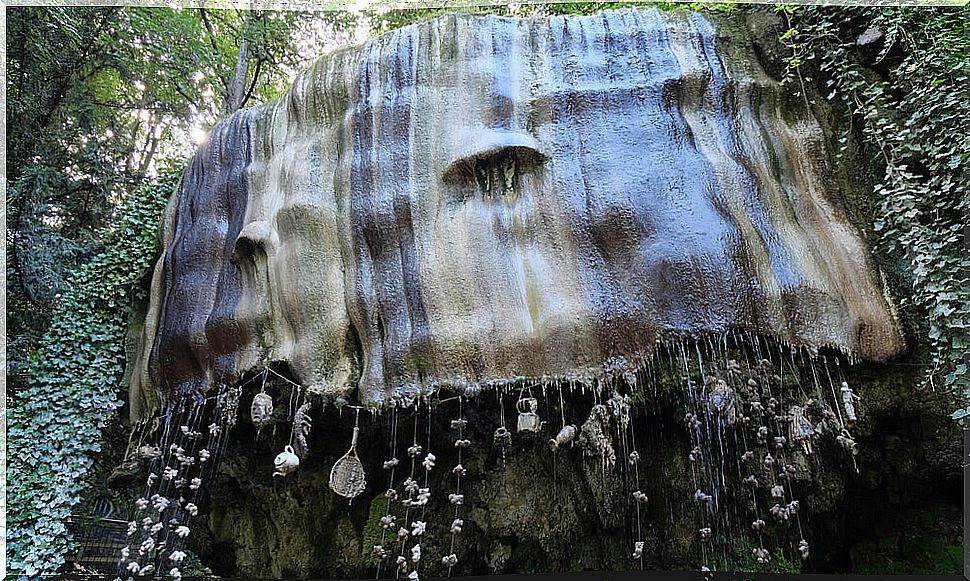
474, 199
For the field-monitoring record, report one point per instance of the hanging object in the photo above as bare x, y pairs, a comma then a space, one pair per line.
502, 437
286, 461
620, 406
720, 399
594, 439
301, 429
347, 476
261, 409
803, 549
528, 418
800, 429
565, 435
848, 401
637, 550
847, 443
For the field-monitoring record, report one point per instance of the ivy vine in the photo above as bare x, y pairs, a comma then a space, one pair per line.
54, 429
902, 74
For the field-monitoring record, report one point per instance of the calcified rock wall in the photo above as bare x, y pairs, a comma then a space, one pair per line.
475, 199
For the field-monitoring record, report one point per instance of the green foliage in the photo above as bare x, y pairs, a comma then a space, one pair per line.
103, 96
738, 556
906, 94
373, 531
74, 381
392, 19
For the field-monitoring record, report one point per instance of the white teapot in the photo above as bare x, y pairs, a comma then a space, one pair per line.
286, 461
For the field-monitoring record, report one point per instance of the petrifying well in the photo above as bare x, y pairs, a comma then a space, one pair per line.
474, 199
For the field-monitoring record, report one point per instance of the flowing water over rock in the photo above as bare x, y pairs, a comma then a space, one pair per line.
538, 208
478, 199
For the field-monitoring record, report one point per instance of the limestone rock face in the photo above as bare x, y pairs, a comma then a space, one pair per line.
475, 199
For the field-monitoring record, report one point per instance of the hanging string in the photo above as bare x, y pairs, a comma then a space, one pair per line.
636, 476
411, 493
456, 523
299, 394
392, 465
838, 408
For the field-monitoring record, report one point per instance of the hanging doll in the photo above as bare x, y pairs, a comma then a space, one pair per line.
848, 401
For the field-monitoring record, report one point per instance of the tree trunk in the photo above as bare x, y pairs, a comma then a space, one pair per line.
238, 85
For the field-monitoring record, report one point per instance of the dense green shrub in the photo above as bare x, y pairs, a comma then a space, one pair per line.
902, 74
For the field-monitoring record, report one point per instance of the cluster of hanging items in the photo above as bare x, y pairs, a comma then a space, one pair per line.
756, 402
763, 405
193, 438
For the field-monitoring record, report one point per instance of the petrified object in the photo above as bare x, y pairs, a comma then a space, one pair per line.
595, 439
286, 461
565, 435
849, 399
720, 399
800, 429
803, 549
347, 476
528, 419
261, 410
847, 443
301, 429
502, 437
620, 406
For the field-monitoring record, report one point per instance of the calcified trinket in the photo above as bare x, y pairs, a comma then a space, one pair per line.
347, 476
286, 462
566, 435
528, 418
261, 409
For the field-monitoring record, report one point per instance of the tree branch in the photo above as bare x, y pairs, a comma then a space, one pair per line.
252, 85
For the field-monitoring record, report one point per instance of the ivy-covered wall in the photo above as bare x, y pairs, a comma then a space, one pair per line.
55, 428
901, 77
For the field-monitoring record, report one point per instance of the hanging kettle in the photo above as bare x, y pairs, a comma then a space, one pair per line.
528, 419
565, 435
286, 461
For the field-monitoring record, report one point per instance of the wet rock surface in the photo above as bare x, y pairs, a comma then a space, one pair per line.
475, 199
347, 267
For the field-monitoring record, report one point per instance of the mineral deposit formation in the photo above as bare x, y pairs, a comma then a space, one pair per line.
475, 199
